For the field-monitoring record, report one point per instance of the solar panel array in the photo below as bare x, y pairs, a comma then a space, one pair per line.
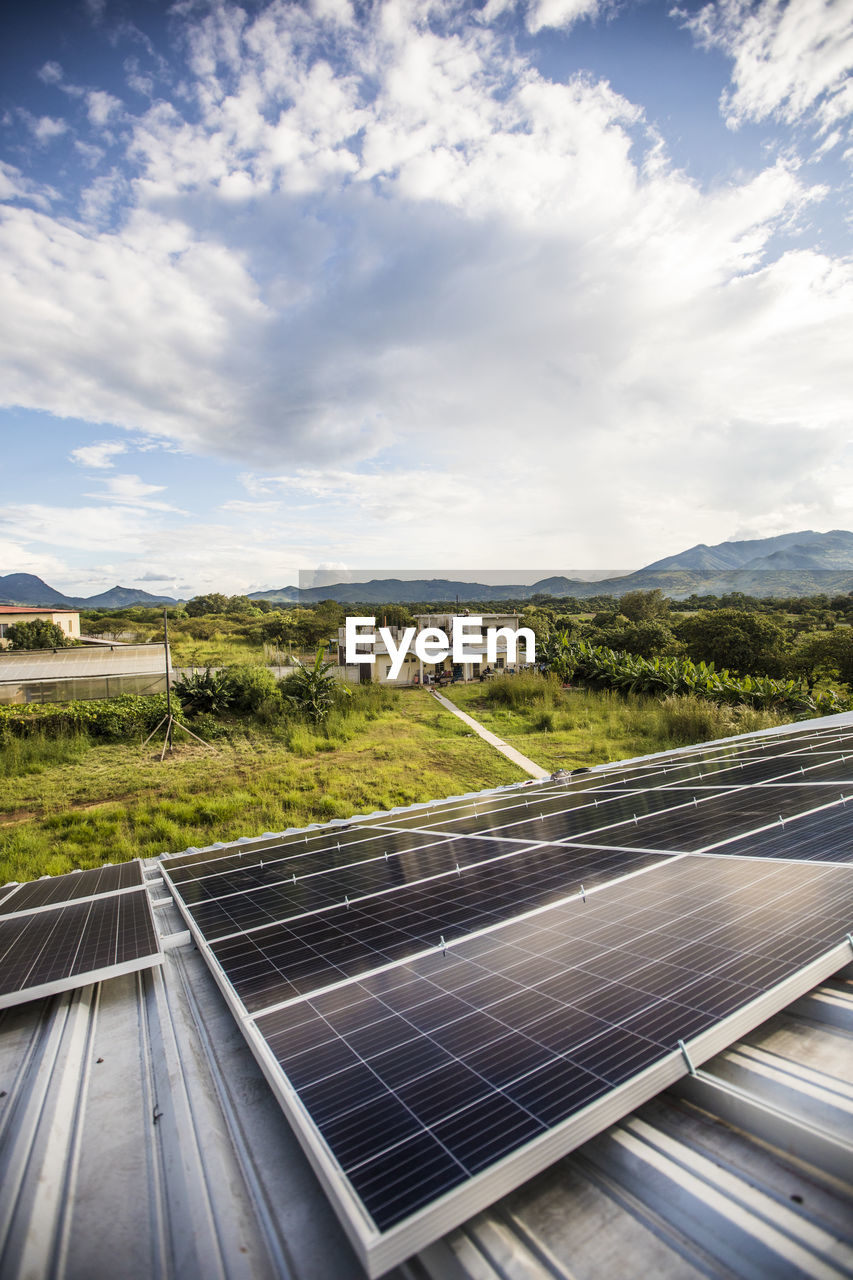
62, 932
449, 997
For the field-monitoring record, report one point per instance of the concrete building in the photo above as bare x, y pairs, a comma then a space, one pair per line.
414, 671
10, 614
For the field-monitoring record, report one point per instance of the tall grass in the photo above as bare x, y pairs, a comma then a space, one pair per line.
571, 727
40, 752
382, 750
525, 690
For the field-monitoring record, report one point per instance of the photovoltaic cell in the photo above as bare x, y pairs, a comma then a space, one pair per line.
275, 962
445, 987
825, 836
573, 1014
77, 884
76, 943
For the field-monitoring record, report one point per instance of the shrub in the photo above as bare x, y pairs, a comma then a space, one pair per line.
313, 691
205, 691
110, 719
524, 690
253, 690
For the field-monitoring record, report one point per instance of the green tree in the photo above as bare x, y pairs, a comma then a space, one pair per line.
647, 639
214, 602
644, 606
732, 638
37, 634
391, 615
827, 656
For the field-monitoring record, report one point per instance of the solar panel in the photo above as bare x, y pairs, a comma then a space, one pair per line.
68, 931
52, 890
446, 1000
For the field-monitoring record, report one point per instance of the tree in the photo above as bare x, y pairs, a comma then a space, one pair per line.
214, 602
644, 606
734, 639
828, 656
37, 634
392, 615
647, 639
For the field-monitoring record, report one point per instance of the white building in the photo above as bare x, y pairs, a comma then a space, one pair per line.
415, 672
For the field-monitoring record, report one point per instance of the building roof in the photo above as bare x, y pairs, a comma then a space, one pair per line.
29, 608
76, 662
135, 1123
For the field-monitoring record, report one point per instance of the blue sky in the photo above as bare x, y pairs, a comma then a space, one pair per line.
558, 283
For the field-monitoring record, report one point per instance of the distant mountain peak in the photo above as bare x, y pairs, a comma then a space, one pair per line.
787, 564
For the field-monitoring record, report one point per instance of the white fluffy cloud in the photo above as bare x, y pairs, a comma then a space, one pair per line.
792, 58
100, 455
393, 238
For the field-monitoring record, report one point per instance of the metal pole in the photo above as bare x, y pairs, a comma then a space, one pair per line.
168, 687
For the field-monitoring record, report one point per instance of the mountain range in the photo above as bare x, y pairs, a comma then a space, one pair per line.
27, 589
790, 564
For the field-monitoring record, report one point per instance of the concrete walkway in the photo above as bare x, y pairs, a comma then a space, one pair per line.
535, 770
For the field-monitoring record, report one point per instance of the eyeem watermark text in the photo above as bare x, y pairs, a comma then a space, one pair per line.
466, 643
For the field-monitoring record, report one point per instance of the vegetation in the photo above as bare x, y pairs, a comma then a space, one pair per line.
604, 668
79, 789
72, 801
314, 691
38, 633
109, 719
572, 728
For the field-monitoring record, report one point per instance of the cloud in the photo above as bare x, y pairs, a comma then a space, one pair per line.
14, 186
99, 455
102, 107
792, 61
44, 128
558, 13
17, 557
51, 73
390, 259
132, 491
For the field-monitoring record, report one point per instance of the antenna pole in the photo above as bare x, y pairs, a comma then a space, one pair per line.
168, 683
168, 719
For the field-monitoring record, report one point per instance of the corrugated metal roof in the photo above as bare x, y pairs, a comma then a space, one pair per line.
136, 1126
30, 608
76, 663
139, 1138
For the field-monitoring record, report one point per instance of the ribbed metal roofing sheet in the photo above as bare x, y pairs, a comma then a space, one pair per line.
76, 663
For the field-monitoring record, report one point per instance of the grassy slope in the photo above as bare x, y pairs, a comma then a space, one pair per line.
570, 728
76, 805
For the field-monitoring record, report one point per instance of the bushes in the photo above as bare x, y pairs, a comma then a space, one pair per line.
204, 692
254, 691
604, 668
108, 719
523, 690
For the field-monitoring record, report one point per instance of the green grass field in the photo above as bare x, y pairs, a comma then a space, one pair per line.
570, 728
69, 803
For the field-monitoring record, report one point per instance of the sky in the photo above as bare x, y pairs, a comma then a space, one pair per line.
406, 284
